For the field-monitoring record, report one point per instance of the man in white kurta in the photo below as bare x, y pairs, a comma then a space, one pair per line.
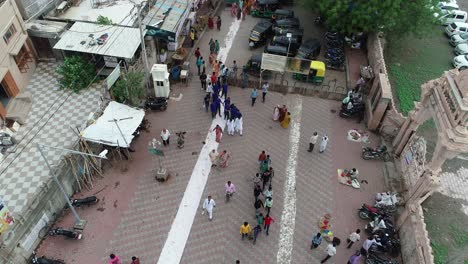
208, 205
230, 125
238, 124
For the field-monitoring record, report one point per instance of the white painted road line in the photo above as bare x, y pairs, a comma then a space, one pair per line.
180, 230
288, 216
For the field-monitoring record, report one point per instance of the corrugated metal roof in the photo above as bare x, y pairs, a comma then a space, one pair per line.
167, 14
121, 42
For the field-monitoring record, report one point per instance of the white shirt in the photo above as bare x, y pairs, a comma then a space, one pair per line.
165, 136
354, 237
368, 243
208, 205
265, 87
331, 250
209, 88
313, 139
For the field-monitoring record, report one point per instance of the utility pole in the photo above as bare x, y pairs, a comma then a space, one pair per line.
143, 46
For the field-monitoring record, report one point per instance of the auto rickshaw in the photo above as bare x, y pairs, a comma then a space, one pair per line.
261, 32
265, 8
310, 49
295, 32
282, 14
308, 71
291, 43
278, 50
254, 66
287, 23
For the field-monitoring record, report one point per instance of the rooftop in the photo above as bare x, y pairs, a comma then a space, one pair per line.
166, 14
117, 41
120, 12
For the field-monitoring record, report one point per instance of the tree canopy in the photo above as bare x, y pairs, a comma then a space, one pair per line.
75, 73
388, 16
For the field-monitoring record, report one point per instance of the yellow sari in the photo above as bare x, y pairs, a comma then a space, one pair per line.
286, 121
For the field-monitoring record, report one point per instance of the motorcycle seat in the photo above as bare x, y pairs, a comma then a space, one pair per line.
371, 208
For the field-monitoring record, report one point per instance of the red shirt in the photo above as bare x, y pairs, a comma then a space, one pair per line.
136, 261
197, 53
268, 220
213, 79
262, 157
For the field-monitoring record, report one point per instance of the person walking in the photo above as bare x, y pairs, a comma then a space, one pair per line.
265, 87
165, 136
286, 120
354, 237
266, 176
268, 204
276, 113
264, 168
203, 67
203, 78
230, 126
331, 251
206, 102
227, 108
135, 260
199, 64
316, 241
269, 192
257, 180
209, 89
218, 23
268, 221
258, 206
323, 144
257, 192
217, 48
234, 69
216, 69
192, 37
213, 110
355, 259
229, 189
114, 259
261, 158
198, 53
257, 230
260, 219
313, 141
213, 79
208, 206
219, 133
214, 157
239, 124
253, 95
245, 230
223, 159
217, 102
224, 90
212, 46
210, 22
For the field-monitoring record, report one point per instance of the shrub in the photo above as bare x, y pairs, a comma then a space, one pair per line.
75, 73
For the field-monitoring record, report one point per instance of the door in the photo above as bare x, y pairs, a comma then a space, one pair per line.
43, 48
9, 85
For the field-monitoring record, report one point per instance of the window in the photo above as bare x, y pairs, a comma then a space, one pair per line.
159, 83
9, 33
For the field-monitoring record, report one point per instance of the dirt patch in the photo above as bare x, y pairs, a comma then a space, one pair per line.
446, 224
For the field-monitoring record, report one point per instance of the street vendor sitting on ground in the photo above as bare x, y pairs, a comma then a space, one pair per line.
353, 174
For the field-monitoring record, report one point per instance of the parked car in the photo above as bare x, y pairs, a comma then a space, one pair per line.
453, 16
461, 62
456, 28
310, 49
459, 39
446, 7
461, 49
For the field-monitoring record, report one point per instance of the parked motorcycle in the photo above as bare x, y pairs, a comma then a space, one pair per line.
369, 153
367, 211
375, 259
44, 260
355, 112
386, 245
84, 201
156, 104
381, 226
180, 139
64, 232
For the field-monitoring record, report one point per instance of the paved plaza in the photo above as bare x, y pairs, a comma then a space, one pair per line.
136, 212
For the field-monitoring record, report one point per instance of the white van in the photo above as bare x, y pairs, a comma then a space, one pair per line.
456, 28
454, 16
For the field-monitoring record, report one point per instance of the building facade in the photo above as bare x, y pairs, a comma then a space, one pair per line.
17, 55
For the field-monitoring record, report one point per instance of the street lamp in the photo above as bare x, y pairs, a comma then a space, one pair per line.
79, 223
289, 36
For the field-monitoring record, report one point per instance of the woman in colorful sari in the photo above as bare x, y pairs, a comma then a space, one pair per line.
223, 159
286, 121
219, 133
210, 22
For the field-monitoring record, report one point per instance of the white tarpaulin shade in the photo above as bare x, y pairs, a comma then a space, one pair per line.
105, 130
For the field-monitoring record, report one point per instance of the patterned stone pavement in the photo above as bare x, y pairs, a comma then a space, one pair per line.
52, 114
136, 212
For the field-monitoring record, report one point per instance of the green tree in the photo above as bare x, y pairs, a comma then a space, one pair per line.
129, 88
388, 16
75, 74
102, 20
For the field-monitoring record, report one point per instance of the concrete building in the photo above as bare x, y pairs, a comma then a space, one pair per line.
17, 55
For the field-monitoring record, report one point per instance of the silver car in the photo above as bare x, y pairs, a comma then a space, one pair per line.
458, 39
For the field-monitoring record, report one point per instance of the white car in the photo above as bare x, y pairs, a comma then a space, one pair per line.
461, 62
453, 16
459, 39
445, 7
461, 49
456, 28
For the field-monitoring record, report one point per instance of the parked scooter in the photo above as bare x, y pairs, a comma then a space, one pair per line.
356, 112
44, 260
369, 153
180, 139
156, 104
386, 245
381, 225
64, 232
84, 201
